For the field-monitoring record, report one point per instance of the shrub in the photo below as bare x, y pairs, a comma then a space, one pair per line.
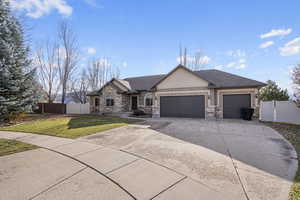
138, 112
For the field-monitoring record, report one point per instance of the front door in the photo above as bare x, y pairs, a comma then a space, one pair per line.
133, 102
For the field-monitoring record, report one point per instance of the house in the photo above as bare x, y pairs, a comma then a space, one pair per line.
180, 93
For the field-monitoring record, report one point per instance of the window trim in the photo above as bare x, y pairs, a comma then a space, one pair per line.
109, 102
148, 96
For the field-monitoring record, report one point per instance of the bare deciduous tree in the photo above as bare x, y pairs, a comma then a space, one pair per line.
296, 81
46, 62
100, 71
79, 88
68, 55
196, 61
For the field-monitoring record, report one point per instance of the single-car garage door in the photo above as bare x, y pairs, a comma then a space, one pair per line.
182, 106
232, 104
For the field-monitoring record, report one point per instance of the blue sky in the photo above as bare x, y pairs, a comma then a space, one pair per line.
256, 39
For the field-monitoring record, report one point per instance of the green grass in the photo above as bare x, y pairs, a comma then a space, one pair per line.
71, 127
292, 134
11, 146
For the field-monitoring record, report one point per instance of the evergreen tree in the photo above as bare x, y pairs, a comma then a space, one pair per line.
273, 92
16, 76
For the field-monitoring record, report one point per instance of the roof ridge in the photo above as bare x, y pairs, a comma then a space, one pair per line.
144, 76
166, 74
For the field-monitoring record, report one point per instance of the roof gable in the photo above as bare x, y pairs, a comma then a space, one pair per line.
181, 77
119, 84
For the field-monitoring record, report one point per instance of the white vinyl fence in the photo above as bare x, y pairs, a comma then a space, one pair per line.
77, 108
279, 111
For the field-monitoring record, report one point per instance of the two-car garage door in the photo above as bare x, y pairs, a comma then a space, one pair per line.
182, 106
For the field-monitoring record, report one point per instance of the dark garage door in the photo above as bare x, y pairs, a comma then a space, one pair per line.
232, 104
182, 106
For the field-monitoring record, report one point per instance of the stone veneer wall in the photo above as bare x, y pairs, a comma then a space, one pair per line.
142, 103
93, 108
121, 101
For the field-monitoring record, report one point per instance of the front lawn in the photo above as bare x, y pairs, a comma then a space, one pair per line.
71, 126
11, 146
292, 134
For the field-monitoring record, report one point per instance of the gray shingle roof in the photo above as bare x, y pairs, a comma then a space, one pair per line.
216, 79
144, 82
221, 79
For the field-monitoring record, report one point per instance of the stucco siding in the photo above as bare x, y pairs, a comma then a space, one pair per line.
182, 78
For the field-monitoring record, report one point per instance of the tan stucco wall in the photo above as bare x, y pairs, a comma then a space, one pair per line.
181, 78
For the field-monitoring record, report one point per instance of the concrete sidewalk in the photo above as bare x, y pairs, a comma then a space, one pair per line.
73, 169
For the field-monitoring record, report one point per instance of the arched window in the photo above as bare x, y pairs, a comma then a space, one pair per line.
148, 99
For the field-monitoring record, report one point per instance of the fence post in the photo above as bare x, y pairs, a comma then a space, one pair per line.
260, 107
274, 111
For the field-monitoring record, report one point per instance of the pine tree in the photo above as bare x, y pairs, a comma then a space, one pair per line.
272, 92
16, 77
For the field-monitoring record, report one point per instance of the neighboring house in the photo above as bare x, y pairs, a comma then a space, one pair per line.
180, 93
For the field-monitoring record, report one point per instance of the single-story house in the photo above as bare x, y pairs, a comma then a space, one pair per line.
180, 93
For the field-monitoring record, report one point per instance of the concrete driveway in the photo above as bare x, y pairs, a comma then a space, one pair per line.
165, 159
234, 158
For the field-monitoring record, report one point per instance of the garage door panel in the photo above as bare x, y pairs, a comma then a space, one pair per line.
232, 105
182, 106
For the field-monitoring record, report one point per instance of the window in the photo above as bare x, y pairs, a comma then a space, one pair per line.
109, 102
148, 100
97, 102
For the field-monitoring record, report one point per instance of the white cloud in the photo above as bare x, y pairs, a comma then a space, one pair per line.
266, 44
241, 66
290, 48
91, 50
236, 53
38, 8
231, 64
276, 32
219, 67
242, 60
124, 64
92, 3
204, 60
